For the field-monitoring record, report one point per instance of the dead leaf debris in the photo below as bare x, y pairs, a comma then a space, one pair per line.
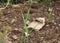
37, 24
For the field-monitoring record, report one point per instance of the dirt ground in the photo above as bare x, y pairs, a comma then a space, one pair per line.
50, 33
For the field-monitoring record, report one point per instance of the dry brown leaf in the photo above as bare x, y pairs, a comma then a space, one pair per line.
8, 27
14, 37
15, 6
37, 24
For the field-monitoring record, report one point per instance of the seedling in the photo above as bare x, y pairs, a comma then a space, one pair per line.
49, 14
4, 34
25, 32
8, 2
2, 37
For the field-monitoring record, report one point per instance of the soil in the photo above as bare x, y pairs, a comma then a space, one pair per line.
50, 33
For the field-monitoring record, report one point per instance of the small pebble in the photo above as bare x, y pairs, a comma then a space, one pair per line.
57, 8
15, 37
47, 25
15, 17
55, 23
59, 24
57, 27
13, 20
57, 18
6, 18
53, 14
53, 26
15, 28
42, 38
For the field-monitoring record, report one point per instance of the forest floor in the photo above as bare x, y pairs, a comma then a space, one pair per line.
11, 17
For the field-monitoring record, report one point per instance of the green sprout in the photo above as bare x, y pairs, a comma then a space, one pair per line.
25, 32
50, 13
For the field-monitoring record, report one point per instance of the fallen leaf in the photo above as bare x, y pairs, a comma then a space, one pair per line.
40, 20
13, 20
18, 30
8, 27
15, 6
37, 24
32, 24
15, 37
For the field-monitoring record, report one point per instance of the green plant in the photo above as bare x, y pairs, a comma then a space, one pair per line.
49, 17
44, 2
8, 2
4, 34
25, 32
50, 14
2, 37
47, 2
